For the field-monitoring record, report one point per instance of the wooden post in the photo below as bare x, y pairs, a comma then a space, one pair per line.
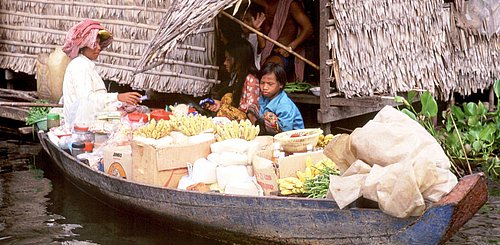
9, 76
324, 68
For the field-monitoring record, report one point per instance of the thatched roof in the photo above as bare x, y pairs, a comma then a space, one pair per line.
384, 46
30, 27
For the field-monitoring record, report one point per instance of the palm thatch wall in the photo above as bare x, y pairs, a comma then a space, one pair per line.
30, 27
390, 46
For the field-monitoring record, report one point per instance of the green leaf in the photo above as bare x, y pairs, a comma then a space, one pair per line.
398, 99
457, 112
411, 96
471, 109
496, 88
452, 138
473, 121
476, 146
429, 105
409, 113
482, 110
448, 125
474, 135
487, 132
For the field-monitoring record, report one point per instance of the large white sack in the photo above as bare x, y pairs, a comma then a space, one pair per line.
204, 171
227, 174
408, 165
233, 145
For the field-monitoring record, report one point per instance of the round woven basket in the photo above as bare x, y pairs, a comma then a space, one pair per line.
293, 143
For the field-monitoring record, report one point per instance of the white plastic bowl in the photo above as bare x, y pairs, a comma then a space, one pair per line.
315, 90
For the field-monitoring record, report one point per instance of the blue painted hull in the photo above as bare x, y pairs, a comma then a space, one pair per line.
245, 219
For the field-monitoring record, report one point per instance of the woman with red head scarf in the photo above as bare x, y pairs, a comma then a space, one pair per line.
84, 92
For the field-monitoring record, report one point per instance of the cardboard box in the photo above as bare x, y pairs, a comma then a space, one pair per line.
165, 166
266, 174
118, 161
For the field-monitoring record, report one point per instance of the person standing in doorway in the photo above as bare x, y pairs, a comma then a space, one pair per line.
287, 23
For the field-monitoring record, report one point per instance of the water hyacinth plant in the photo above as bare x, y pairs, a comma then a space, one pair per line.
469, 133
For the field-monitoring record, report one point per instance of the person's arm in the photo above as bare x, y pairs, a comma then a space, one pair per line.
250, 93
288, 116
257, 23
306, 29
90, 87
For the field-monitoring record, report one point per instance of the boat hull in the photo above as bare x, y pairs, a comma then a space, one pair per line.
246, 219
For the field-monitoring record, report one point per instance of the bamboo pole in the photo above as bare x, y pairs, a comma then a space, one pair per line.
288, 49
29, 104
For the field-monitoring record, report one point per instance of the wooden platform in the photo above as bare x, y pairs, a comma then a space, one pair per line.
342, 108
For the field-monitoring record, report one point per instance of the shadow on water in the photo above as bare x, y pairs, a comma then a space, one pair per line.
93, 221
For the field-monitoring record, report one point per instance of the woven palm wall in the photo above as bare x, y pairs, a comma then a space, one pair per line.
391, 46
476, 52
30, 27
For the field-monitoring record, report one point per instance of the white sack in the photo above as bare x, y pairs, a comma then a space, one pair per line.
233, 145
408, 165
227, 174
204, 171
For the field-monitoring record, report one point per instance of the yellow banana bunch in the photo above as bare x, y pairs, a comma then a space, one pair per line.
290, 185
234, 130
154, 129
312, 171
192, 124
324, 140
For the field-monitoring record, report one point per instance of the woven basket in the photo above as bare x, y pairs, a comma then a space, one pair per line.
299, 143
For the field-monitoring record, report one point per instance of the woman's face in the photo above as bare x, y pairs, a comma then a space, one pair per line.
91, 53
269, 85
228, 62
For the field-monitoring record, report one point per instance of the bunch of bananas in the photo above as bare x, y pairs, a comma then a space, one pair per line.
154, 129
234, 130
192, 124
312, 171
324, 140
316, 178
290, 185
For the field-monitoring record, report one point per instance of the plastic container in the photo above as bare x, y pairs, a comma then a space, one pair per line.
136, 117
77, 148
82, 134
53, 120
42, 124
89, 147
160, 114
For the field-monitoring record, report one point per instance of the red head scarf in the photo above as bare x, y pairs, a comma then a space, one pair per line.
84, 34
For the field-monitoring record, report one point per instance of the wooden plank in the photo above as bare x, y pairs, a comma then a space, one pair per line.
369, 102
335, 113
19, 114
304, 98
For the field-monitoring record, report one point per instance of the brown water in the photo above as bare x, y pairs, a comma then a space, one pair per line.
37, 206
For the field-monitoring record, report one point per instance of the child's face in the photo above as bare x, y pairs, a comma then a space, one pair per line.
228, 62
269, 85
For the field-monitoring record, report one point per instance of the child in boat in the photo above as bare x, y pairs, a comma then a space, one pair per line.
277, 112
243, 89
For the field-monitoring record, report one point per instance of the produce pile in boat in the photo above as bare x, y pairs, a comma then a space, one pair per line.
185, 150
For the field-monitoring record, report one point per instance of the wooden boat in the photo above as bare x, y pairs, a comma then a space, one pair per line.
251, 220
